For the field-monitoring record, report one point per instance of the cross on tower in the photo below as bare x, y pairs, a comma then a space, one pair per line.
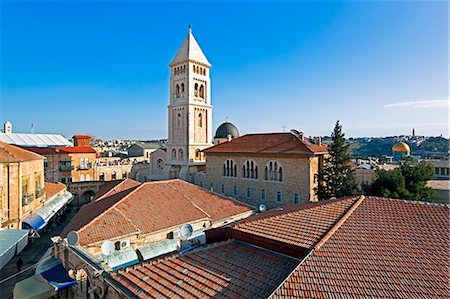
284, 127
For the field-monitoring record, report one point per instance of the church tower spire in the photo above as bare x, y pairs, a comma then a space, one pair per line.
190, 110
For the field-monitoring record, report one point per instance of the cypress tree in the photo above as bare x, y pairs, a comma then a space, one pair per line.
336, 178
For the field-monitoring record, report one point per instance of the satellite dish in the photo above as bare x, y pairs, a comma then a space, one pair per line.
186, 230
333, 198
72, 237
108, 247
262, 207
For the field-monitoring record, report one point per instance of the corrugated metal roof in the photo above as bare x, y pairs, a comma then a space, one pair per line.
43, 140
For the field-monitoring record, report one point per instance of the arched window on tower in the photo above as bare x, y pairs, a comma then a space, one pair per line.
182, 89
198, 155
174, 154
202, 91
178, 120
198, 70
177, 91
204, 72
196, 89
200, 120
193, 68
180, 154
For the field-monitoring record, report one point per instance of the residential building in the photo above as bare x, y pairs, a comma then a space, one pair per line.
352, 247
271, 169
143, 149
190, 111
441, 168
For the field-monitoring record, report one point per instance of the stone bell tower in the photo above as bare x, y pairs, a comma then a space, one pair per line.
190, 111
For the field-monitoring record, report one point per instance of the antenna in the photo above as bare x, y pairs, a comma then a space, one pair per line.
107, 248
32, 128
262, 208
284, 127
186, 230
72, 237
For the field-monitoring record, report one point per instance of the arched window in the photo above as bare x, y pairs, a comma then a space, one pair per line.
101, 176
204, 71
177, 91
198, 154
202, 91
178, 120
180, 154
296, 198
200, 120
249, 192
88, 177
235, 190
182, 90
113, 176
263, 194
229, 168
223, 189
193, 68
250, 170
82, 178
174, 154
279, 199
196, 89
198, 70
273, 171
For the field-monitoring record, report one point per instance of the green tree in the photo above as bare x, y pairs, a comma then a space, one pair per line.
336, 178
409, 181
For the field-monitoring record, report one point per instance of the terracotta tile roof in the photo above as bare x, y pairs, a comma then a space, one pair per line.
113, 187
51, 189
150, 207
275, 143
386, 248
226, 270
12, 153
299, 225
81, 136
77, 149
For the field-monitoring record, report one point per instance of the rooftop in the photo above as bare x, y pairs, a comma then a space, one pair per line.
114, 187
190, 50
11, 153
227, 270
51, 189
270, 143
168, 204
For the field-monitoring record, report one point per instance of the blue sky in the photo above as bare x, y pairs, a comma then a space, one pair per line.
102, 67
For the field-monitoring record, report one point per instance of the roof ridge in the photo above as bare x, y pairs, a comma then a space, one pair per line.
108, 209
339, 223
129, 220
193, 203
417, 202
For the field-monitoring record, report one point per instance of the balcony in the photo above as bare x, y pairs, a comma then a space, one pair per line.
40, 192
85, 167
27, 198
65, 167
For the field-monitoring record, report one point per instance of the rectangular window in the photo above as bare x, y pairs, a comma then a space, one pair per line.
211, 186
223, 189
279, 199
263, 194
249, 192
235, 191
296, 198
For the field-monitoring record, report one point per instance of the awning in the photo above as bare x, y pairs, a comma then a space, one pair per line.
35, 222
159, 248
12, 242
54, 205
46, 283
34, 287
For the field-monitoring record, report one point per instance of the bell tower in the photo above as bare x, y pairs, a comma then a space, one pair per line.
190, 111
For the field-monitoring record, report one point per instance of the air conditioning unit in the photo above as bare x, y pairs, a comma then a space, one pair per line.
122, 244
174, 234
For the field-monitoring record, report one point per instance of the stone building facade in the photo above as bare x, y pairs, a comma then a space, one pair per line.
22, 187
190, 111
271, 169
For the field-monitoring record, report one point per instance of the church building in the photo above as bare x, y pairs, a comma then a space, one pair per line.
190, 111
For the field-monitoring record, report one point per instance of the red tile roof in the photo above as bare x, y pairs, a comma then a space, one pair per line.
81, 136
51, 189
64, 149
299, 225
113, 187
150, 207
11, 153
270, 143
385, 248
226, 270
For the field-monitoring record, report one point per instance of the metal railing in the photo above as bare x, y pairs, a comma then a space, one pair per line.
65, 168
85, 167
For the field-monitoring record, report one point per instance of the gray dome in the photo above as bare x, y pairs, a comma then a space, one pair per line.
226, 129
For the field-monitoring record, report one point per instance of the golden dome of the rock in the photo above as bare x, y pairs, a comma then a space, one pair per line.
401, 147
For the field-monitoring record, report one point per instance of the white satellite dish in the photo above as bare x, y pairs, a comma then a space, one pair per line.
72, 237
108, 247
262, 207
186, 230
333, 198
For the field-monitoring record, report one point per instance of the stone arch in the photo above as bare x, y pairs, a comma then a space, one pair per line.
202, 91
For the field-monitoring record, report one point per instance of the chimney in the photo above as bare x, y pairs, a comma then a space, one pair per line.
229, 137
7, 127
81, 140
318, 140
298, 134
